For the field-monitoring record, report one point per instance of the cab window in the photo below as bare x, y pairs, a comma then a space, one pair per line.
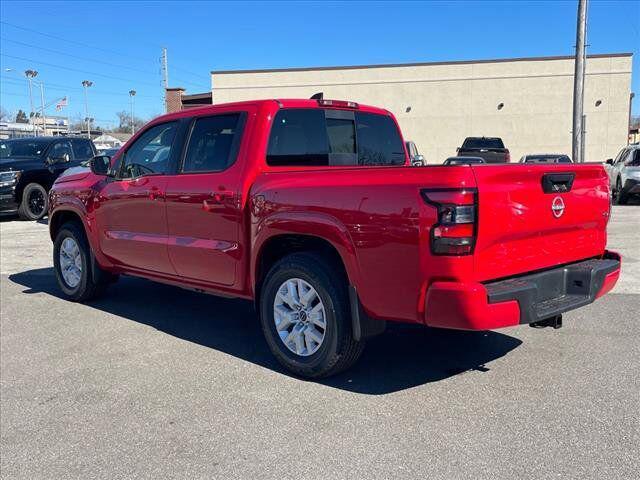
213, 144
82, 149
298, 137
379, 142
150, 153
334, 137
61, 150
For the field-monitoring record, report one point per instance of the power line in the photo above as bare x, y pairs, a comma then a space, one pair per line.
74, 69
13, 94
82, 71
113, 52
57, 86
76, 56
73, 41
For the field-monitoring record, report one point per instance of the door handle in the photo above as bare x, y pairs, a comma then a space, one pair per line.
156, 194
216, 199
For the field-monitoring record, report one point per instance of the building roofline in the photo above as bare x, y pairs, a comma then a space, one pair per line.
421, 64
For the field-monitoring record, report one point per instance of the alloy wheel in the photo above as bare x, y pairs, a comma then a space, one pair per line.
36, 203
70, 262
299, 316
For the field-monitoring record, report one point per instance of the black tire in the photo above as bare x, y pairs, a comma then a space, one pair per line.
338, 350
621, 196
93, 280
35, 202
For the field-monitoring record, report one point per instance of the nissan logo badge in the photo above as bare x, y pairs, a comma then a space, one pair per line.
557, 207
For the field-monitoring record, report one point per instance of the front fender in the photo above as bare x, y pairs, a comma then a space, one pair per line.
311, 224
80, 205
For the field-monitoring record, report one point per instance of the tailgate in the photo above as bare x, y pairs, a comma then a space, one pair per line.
533, 217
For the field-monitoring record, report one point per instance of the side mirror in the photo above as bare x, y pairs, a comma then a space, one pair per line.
418, 161
101, 165
609, 161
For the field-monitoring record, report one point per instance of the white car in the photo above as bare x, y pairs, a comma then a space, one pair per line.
624, 174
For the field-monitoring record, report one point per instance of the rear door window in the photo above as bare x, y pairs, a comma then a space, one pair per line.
214, 143
82, 149
379, 142
298, 137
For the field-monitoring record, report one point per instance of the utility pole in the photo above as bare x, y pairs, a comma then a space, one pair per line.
132, 94
86, 84
31, 74
68, 109
165, 74
577, 144
43, 117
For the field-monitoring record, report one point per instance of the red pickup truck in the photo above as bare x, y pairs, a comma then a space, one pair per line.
310, 208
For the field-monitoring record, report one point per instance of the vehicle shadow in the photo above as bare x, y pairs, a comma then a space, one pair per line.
401, 358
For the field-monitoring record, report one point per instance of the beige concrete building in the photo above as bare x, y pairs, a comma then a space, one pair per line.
526, 101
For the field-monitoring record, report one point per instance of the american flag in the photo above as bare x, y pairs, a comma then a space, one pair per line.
61, 103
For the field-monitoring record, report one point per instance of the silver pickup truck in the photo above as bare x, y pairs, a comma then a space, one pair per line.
624, 174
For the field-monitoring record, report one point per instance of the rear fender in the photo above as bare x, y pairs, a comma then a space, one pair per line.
311, 224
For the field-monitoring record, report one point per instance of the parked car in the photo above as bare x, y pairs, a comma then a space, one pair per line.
415, 158
463, 160
29, 166
624, 174
546, 158
306, 208
492, 149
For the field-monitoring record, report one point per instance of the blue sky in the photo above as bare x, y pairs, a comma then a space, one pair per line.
117, 45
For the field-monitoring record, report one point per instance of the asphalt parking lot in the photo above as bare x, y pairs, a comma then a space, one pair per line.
157, 382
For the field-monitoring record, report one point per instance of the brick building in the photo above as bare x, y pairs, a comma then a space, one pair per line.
176, 99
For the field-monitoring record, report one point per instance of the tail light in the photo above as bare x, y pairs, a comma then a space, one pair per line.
456, 229
507, 157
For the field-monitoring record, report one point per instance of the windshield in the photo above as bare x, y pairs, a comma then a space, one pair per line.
476, 142
22, 148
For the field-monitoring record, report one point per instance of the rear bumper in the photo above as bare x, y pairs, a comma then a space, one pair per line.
524, 299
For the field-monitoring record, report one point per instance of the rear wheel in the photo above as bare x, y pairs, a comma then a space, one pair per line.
305, 316
79, 277
35, 202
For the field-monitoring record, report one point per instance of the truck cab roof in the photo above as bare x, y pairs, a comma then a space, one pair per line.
277, 104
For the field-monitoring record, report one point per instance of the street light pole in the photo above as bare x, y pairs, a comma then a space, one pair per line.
132, 94
31, 74
43, 118
577, 144
86, 84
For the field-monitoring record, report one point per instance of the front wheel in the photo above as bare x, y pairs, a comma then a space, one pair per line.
35, 202
305, 316
74, 267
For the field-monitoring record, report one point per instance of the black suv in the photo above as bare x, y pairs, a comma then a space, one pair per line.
29, 166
